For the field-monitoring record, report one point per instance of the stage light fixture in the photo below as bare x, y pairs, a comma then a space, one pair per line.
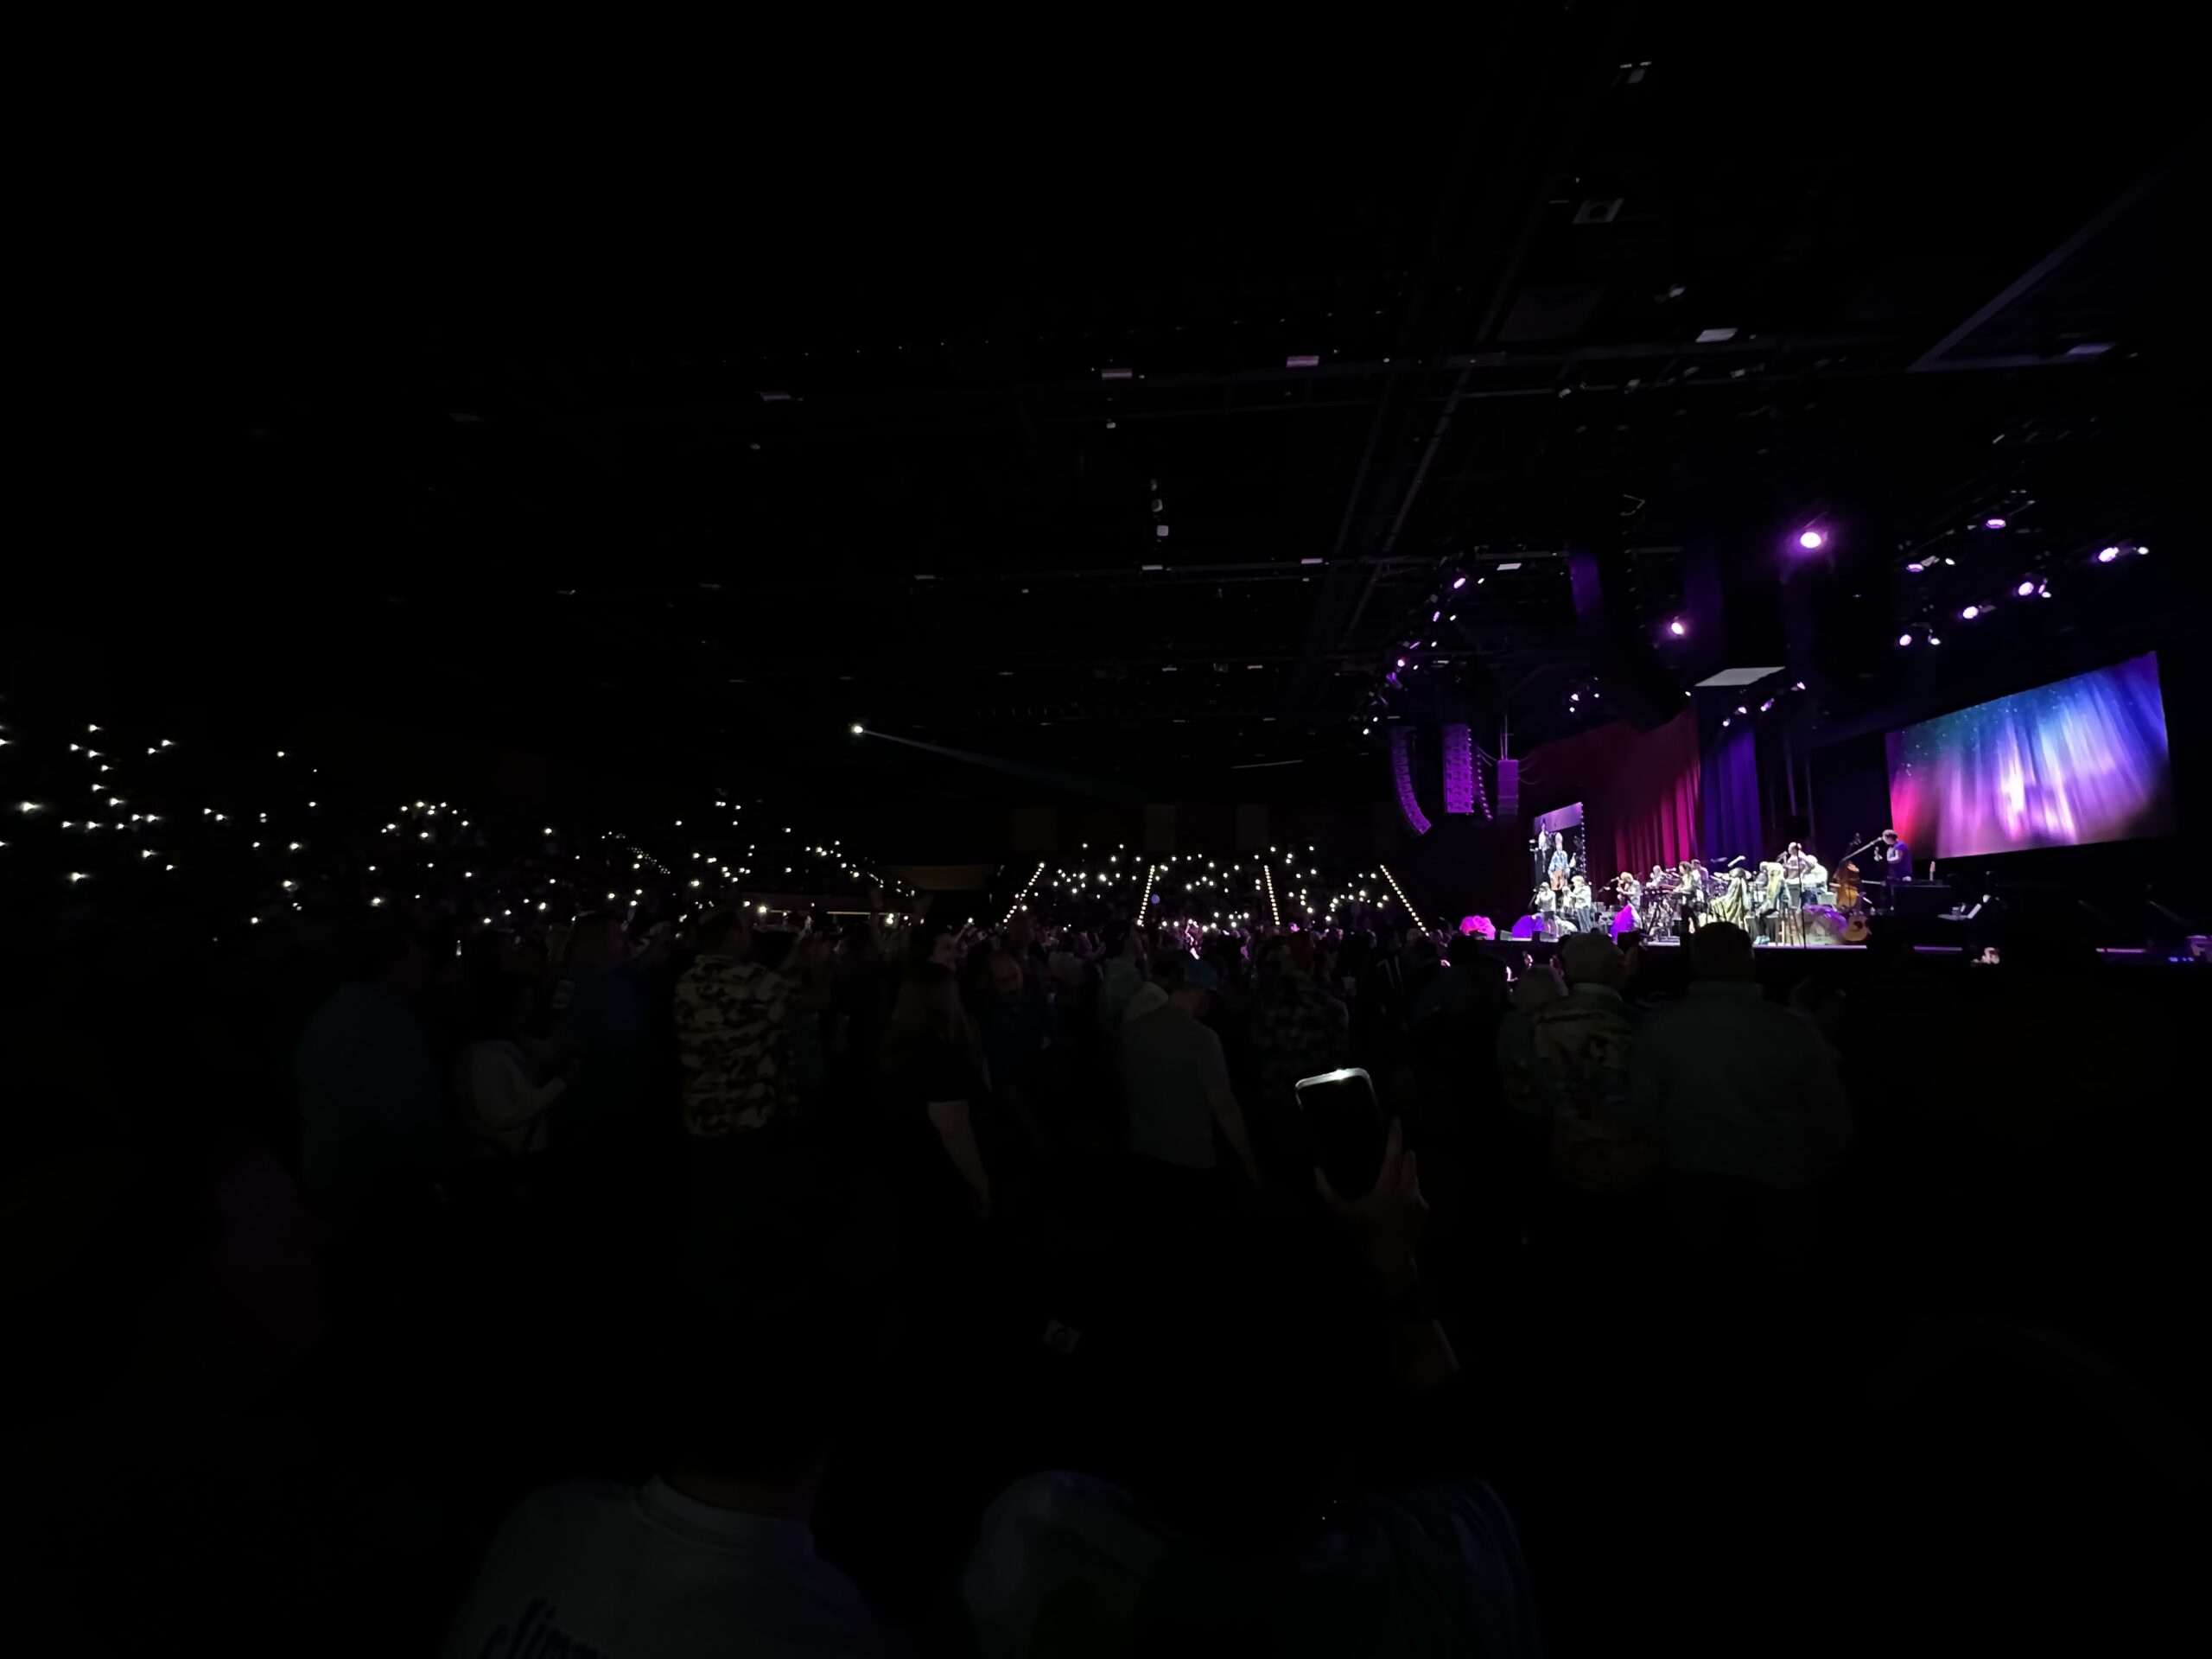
1916, 567
1677, 627
1811, 539
1905, 639
856, 728
2106, 556
2027, 586
1458, 583
1993, 523
1970, 613
1933, 640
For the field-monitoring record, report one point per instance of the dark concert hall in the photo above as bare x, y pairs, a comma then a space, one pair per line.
1145, 851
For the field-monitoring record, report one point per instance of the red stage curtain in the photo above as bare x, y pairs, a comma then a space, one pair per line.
1639, 791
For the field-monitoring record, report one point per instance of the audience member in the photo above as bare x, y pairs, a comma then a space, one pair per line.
1175, 1081
1743, 1100
733, 1021
370, 1104
716, 1554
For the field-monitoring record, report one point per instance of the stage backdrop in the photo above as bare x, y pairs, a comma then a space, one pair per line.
1639, 790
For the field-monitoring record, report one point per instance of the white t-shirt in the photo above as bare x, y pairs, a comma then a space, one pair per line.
597, 1570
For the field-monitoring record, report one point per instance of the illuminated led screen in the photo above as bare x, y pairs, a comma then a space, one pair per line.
2078, 761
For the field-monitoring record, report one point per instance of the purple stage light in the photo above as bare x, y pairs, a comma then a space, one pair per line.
1970, 613
1436, 616
1768, 704
1741, 710
1993, 523
2025, 588
1800, 686
2107, 555
1916, 567
1458, 583
1933, 640
1725, 720
1402, 661
1809, 539
1905, 639
1676, 627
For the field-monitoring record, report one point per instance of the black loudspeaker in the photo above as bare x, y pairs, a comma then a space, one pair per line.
1508, 790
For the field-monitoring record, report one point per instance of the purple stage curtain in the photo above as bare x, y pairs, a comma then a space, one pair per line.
1731, 782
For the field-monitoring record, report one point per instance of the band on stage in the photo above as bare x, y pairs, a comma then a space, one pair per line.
1792, 899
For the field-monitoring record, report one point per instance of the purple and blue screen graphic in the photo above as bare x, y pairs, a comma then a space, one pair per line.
2072, 762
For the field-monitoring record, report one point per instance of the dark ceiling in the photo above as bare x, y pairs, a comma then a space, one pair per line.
1123, 452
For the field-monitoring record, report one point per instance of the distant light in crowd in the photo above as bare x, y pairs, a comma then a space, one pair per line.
1768, 704
1741, 710
2026, 587
856, 728
1402, 661
1677, 626
1800, 686
1933, 640
1905, 639
2107, 556
1970, 613
1458, 583
1809, 539
1916, 567
1993, 523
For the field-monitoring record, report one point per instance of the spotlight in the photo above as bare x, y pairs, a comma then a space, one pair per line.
2026, 587
2143, 551
2106, 556
1741, 710
1768, 704
1402, 661
1916, 567
1676, 627
1810, 539
1970, 613
856, 728
1905, 639
1458, 583
1993, 523
1725, 720
1933, 640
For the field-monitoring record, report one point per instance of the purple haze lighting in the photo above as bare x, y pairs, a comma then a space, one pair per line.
1768, 704
1741, 710
2025, 588
1458, 583
1905, 639
1993, 523
1402, 661
2107, 555
1676, 627
1916, 567
1809, 539
1970, 613
1435, 616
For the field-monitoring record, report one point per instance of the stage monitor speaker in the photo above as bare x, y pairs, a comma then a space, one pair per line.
1508, 790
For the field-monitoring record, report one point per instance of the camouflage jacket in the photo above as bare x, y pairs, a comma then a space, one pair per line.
733, 1037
